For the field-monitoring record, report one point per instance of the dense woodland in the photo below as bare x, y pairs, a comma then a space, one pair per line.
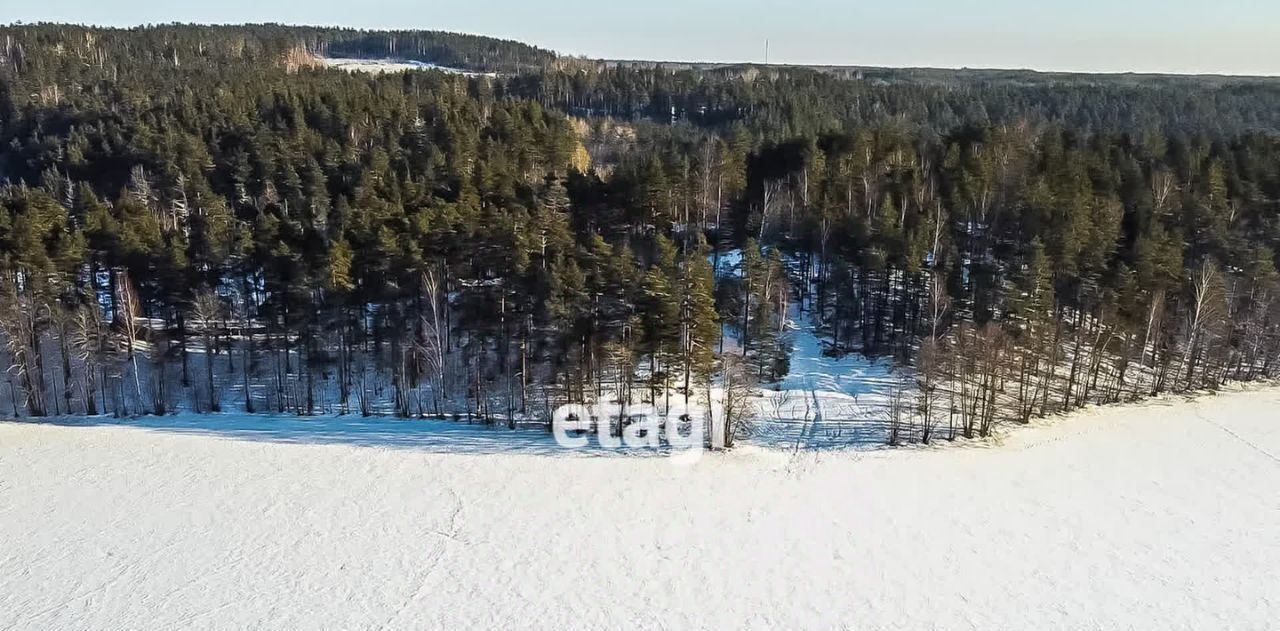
204, 218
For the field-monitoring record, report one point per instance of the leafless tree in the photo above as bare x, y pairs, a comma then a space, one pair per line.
930, 358
432, 343
770, 203
623, 359
130, 329
62, 321
737, 409
162, 398
208, 311
991, 344
898, 407
1206, 310
19, 322
980, 362
244, 307
90, 345
1254, 333
1163, 186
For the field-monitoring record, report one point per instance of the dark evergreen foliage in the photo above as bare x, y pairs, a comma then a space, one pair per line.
491, 246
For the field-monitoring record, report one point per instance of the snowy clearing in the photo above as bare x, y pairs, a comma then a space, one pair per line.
824, 402
1158, 516
379, 66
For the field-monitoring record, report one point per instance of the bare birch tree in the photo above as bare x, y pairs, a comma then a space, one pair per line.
90, 345
18, 321
1205, 311
736, 408
130, 330
208, 311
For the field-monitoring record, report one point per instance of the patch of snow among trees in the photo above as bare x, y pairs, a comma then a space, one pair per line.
380, 66
727, 264
825, 401
1161, 515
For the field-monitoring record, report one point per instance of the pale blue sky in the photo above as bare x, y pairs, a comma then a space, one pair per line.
1203, 36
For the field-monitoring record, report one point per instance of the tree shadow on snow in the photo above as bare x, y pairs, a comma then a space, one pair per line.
428, 435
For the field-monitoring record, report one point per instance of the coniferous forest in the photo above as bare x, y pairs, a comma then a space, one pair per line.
208, 218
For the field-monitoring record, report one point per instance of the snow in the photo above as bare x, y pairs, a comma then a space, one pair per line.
811, 367
1160, 516
728, 264
379, 66
824, 401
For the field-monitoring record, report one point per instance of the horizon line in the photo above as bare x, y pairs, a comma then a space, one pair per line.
691, 62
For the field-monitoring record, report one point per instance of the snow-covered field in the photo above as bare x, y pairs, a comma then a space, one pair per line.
1162, 516
379, 66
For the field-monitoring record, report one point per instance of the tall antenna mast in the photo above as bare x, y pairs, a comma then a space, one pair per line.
766, 51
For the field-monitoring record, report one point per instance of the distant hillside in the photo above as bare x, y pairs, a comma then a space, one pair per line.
195, 45
454, 50
774, 101
955, 76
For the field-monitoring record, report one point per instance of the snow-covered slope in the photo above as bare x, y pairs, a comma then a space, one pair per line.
379, 66
1162, 516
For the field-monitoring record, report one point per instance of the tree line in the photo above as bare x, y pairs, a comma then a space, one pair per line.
191, 220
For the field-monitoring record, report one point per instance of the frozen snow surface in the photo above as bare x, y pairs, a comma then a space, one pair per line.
1159, 516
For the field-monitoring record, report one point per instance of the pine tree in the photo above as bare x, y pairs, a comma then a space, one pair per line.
699, 320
